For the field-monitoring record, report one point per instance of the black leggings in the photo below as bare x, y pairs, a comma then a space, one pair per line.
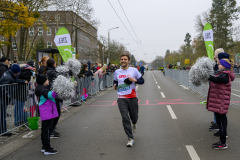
222, 124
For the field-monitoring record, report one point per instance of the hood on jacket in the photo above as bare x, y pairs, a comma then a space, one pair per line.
40, 89
230, 74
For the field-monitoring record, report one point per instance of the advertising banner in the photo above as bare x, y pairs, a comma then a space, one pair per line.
208, 38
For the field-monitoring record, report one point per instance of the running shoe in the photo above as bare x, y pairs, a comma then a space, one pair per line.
219, 145
43, 149
214, 128
50, 151
134, 128
54, 135
217, 135
130, 142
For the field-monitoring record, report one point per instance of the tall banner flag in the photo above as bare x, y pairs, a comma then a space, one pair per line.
63, 43
208, 38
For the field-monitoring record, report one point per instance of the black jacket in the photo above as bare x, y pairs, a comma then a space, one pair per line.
42, 90
22, 91
3, 68
41, 69
8, 93
51, 74
222, 78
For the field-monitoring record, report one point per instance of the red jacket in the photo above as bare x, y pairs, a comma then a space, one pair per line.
219, 94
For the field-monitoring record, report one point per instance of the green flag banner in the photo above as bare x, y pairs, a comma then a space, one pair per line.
63, 43
208, 38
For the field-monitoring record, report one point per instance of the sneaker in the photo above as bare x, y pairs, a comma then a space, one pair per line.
217, 135
219, 145
43, 149
134, 128
212, 123
130, 142
50, 151
214, 128
57, 133
54, 135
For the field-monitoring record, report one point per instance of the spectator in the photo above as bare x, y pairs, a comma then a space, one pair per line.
51, 73
95, 68
43, 64
99, 66
6, 93
3, 65
22, 94
82, 71
15, 61
100, 73
9, 64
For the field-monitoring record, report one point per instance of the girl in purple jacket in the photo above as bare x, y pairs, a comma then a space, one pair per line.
48, 111
218, 100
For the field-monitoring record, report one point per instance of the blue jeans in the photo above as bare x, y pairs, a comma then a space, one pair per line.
215, 120
18, 112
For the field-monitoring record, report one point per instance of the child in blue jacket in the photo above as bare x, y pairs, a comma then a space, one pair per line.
48, 111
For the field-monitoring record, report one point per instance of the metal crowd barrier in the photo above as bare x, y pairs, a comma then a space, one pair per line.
19, 102
181, 77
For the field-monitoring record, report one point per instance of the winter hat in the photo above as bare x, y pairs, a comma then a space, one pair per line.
31, 63
225, 63
41, 79
219, 50
3, 59
15, 68
223, 55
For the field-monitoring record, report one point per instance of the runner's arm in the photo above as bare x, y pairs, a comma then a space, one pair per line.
140, 81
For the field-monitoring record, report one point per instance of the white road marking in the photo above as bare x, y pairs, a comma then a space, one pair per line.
163, 96
156, 83
137, 87
29, 135
184, 87
171, 112
192, 152
159, 87
235, 95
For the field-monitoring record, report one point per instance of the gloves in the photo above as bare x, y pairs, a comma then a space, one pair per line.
127, 81
54, 94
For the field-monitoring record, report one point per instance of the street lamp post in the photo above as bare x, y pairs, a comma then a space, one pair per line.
109, 40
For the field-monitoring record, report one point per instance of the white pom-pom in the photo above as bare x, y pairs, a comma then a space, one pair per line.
201, 71
73, 65
64, 87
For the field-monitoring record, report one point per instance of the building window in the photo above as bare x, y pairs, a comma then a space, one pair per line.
40, 31
14, 45
31, 31
15, 33
48, 17
49, 31
2, 39
57, 17
31, 45
49, 44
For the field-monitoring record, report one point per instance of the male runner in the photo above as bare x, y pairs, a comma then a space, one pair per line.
142, 68
125, 80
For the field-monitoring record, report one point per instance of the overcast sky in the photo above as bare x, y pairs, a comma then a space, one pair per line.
159, 24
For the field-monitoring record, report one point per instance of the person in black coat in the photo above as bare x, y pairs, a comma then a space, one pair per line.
52, 74
7, 94
3, 65
23, 92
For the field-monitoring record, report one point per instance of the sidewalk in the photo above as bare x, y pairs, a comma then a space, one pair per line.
18, 141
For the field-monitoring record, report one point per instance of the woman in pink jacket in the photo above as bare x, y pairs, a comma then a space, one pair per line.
218, 100
100, 73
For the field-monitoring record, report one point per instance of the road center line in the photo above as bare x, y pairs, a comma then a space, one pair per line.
171, 112
163, 96
159, 87
192, 152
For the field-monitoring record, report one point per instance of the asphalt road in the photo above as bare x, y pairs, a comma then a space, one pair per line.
172, 126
